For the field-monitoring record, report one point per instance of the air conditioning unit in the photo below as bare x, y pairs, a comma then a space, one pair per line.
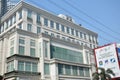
66, 17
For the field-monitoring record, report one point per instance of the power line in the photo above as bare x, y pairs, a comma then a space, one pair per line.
73, 15
77, 9
35, 3
81, 19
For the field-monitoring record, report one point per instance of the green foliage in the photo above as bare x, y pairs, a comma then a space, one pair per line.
95, 76
103, 74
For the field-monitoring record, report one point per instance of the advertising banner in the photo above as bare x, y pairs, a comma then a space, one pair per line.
106, 57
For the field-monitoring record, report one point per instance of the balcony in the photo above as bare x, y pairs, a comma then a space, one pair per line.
22, 57
21, 73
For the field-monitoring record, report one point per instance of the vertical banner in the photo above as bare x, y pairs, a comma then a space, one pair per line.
106, 57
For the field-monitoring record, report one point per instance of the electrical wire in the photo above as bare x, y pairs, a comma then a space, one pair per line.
74, 16
82, 19
77, 9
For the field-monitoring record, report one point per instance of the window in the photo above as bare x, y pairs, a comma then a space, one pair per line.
66, 54
34, 67
38, 30
94, 46
63, 28
87, 73
74, 68
81, 43
20, 26
52, 34
10, 21
11, 50
29, 14
60, 69
68, 30
63, 38
96, 40
12, 46
12, 42
20, 14
14, 19
21, 50
72, 31
84, 36
76, 32
46, 48
2, 28
10, 66
58, 36
67, 69
28, 66
38, 19
29, 27
90, 45
81, 72
90, 38
21, 40
46, 32
81, 36
45, 22
32, 43
51, 24
32, 52
20, 66
57, 26
46, 69
68, 39
6, 24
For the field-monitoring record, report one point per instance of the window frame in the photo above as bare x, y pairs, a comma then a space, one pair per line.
29, 27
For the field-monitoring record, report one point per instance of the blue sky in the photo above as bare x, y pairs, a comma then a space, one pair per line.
100, 16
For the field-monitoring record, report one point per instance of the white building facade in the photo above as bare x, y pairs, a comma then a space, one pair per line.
37, 45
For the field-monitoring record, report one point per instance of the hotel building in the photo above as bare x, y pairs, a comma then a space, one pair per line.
38, 45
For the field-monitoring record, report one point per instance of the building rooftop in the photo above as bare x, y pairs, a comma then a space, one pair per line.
43, 12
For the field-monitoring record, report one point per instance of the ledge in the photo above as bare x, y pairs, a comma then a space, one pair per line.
22, 57
19, 73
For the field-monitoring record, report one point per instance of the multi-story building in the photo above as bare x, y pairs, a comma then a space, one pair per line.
3, 7
38, 45
6, 5
11, 3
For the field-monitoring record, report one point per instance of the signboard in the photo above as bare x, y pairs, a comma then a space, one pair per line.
106, 57
118, 51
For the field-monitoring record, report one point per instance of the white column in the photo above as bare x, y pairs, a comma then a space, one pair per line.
84, 57
16, 43
16, 64
54, 71
4, 54
42, 60
1, 53
34, 27
27, 46
48, 49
